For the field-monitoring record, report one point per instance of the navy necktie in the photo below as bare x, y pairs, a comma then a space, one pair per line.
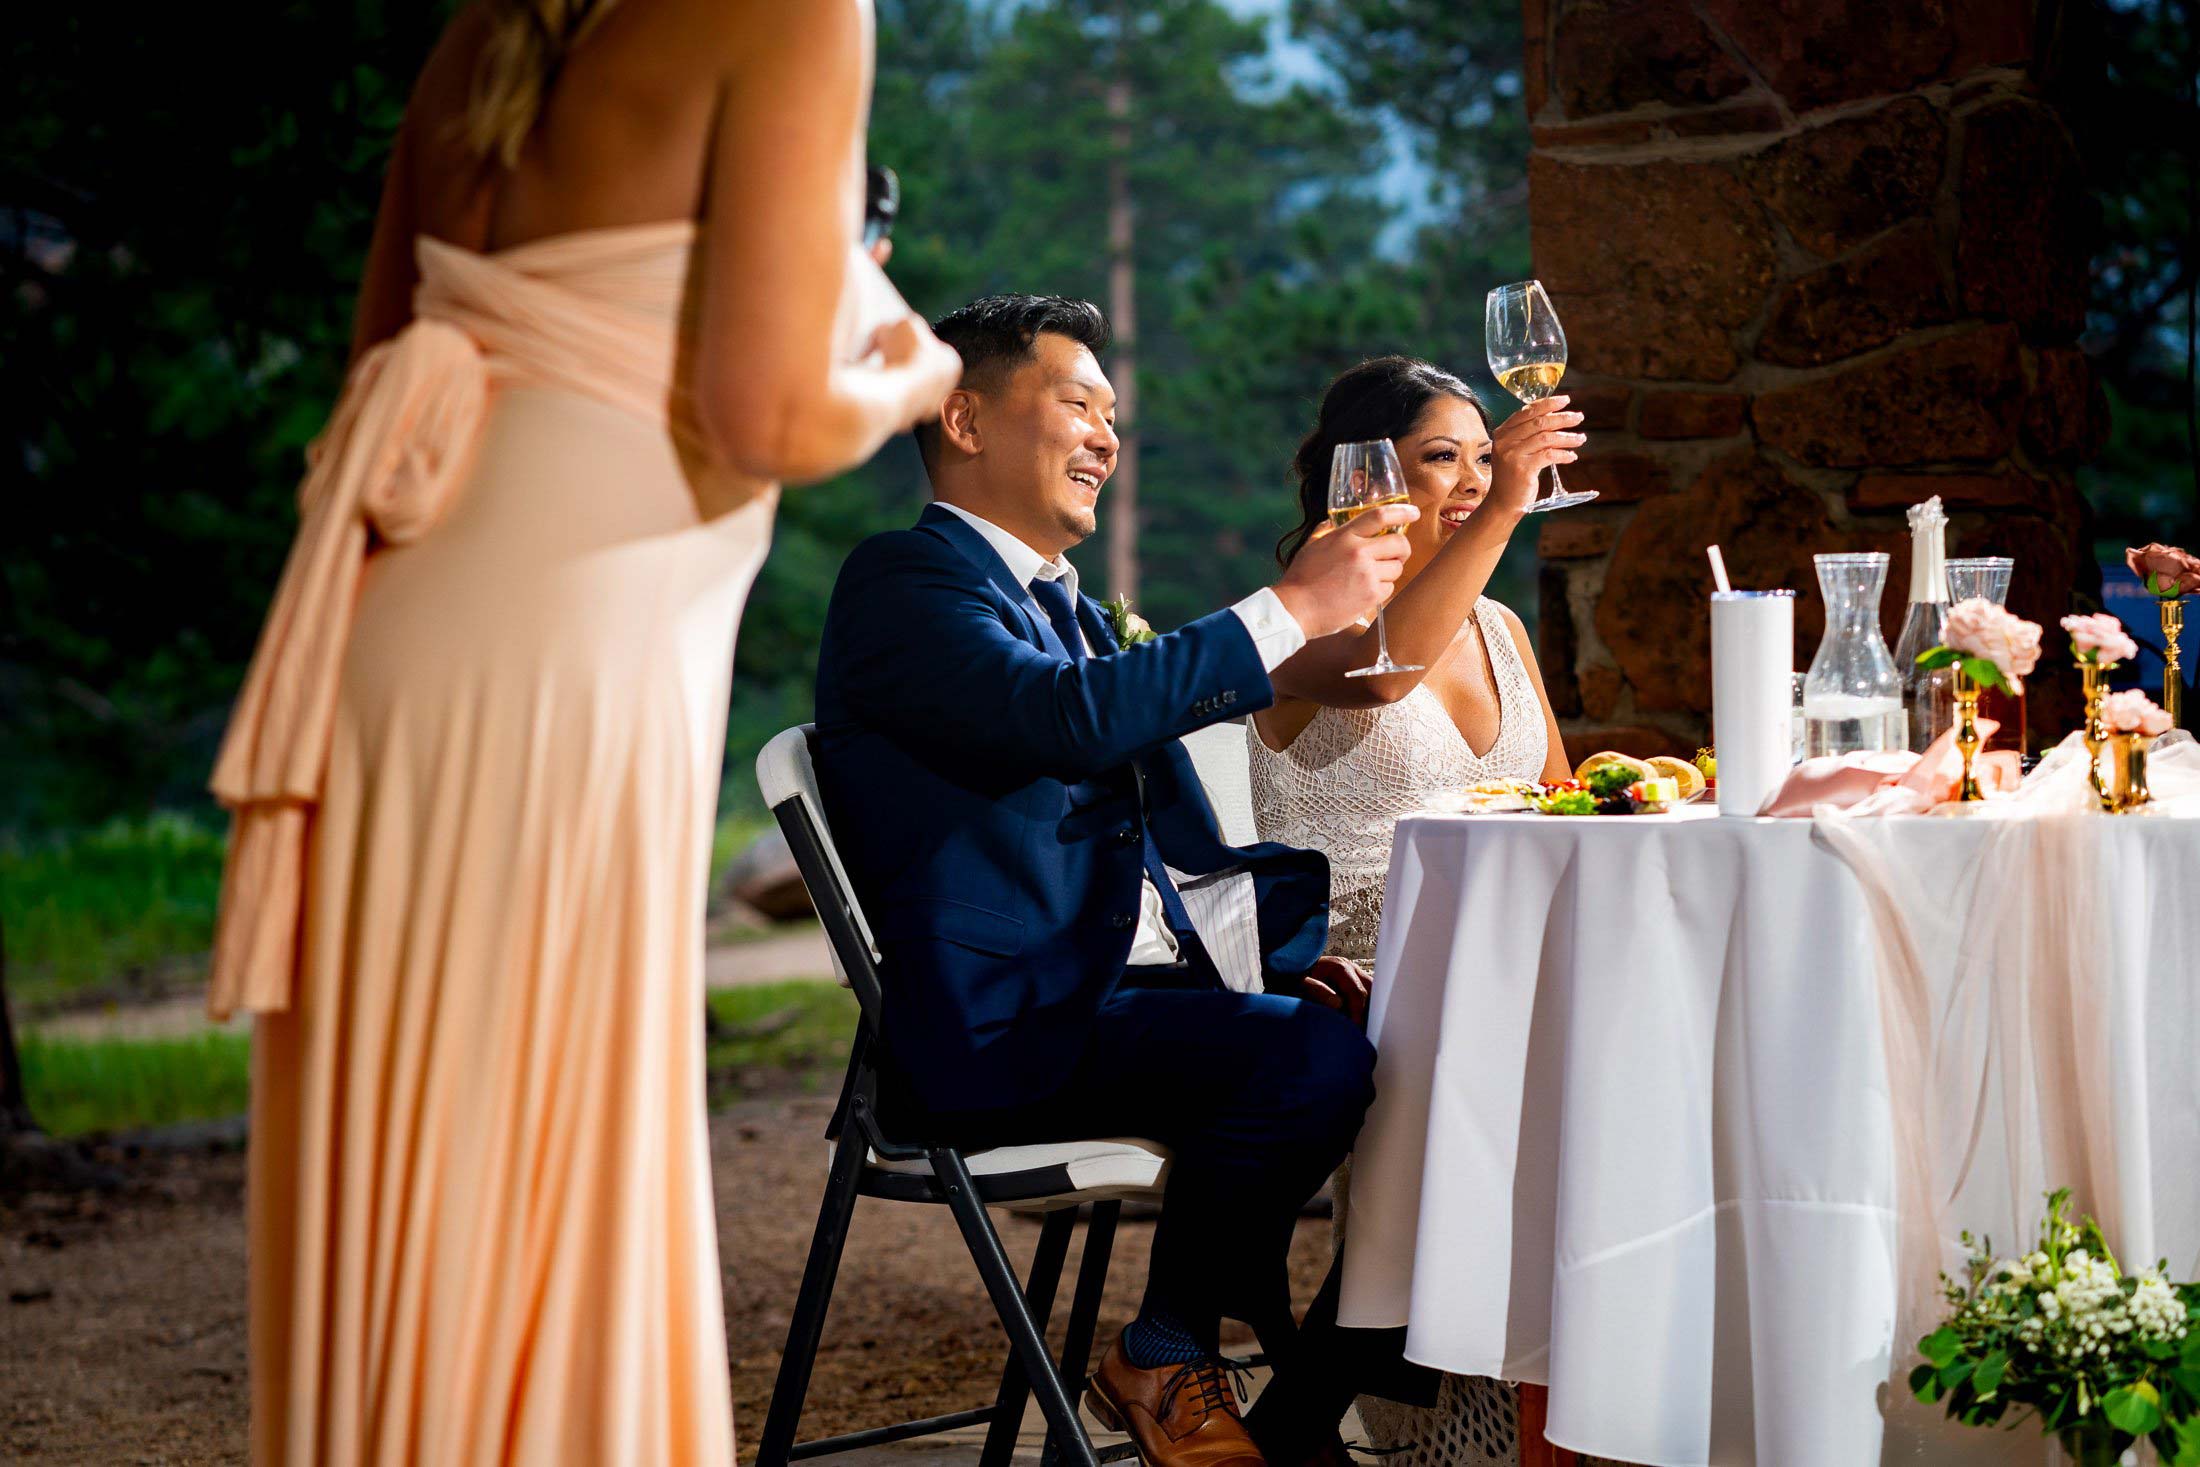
1061, 609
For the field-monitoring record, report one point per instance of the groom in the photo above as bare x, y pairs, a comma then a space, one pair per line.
1070, 949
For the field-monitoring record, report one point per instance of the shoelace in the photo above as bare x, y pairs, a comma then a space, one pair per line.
1207, 1379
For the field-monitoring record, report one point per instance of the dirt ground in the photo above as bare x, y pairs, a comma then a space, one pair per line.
122, 1316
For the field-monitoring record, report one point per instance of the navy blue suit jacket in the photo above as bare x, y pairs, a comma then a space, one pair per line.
984, 790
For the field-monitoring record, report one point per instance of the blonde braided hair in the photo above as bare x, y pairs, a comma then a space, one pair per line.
528, 42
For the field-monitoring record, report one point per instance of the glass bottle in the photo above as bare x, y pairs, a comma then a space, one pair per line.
1852, 699
1928, 696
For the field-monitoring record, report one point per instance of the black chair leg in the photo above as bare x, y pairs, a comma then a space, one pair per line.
1092, 1282
1024, 1335
808, 1324
1039, 1290
1084, 1309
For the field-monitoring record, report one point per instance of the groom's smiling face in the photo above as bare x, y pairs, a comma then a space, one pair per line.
1046, 440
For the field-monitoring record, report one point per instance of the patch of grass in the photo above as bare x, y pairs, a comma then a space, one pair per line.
761, 1037
103, 907
81, 1085
768, 1033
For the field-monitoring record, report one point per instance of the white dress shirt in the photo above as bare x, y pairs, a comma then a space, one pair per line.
1276, 635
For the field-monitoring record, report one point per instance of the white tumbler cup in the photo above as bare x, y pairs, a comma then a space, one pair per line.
1752, 664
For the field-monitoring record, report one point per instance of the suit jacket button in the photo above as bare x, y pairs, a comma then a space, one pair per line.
1229, 698
1128, 836
1122, 921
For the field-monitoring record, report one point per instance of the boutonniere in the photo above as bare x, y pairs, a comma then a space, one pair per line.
1130, 628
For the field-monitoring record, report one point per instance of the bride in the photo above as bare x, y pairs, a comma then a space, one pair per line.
1336, 760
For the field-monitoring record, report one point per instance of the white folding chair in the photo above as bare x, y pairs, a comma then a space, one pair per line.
1056, 1179
1225, 769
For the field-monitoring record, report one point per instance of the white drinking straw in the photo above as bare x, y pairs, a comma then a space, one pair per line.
1718, 568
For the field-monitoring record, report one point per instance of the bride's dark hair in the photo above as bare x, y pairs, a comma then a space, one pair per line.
1380, 398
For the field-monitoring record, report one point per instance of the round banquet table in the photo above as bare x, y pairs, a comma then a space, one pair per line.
1637, 1135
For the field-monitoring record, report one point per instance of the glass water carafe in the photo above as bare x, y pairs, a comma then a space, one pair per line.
1852, 699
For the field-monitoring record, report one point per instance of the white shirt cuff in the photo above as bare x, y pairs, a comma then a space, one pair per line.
1276, 633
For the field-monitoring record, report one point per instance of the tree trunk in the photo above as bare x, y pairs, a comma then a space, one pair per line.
1123, 316
15, 1106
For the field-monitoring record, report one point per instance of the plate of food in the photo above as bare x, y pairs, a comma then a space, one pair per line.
1612, 783
1491, 797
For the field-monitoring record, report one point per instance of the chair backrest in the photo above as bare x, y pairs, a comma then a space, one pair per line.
1218, 753
784, 773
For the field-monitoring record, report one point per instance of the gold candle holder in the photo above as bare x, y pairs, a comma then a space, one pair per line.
2127, 768
1967, 736
2173, 679
2096, 732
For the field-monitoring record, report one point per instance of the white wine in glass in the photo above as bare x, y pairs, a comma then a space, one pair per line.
1527, 352
1365, 476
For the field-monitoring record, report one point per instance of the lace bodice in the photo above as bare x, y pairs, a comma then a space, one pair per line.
1344, 781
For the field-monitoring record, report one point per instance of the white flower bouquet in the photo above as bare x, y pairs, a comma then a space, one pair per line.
2103, 1359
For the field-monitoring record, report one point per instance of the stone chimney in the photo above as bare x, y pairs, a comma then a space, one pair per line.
1816, 260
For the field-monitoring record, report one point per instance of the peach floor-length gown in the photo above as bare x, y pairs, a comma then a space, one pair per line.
474, 771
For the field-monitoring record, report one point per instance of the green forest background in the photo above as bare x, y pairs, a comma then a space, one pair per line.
185, 205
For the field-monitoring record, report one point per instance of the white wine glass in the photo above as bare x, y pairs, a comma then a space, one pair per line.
1527, 351
1365, 476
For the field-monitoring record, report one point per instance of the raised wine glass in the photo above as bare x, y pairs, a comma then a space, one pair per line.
1527, 352
1365, 476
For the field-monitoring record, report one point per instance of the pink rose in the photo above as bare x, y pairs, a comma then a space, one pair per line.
2100, 640
1979, 628
2177, 572
2133, 712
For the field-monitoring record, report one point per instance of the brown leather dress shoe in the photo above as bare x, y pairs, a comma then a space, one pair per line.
1179, 1415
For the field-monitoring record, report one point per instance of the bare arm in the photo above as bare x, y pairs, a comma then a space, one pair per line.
1555, 765
392, 270
386, 287
1427, 614
782, 203
1423, 619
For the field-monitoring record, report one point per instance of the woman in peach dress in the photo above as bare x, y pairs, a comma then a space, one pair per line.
474, 766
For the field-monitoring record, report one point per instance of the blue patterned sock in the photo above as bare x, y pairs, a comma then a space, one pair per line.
1155, 1339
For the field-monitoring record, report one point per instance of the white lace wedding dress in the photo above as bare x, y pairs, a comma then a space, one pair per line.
1340, 787
1344, 781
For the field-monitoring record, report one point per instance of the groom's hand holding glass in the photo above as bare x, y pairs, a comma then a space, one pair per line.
1344, 575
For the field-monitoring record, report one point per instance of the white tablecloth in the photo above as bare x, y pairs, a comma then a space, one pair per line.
1633, 1135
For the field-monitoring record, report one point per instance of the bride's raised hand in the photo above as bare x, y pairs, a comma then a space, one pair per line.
1525, 444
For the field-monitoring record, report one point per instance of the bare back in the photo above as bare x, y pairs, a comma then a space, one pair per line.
634, 130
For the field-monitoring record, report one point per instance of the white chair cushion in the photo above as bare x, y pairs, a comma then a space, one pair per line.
1099, 1171
1218, 753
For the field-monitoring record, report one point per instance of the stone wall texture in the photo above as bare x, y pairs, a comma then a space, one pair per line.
1816, 260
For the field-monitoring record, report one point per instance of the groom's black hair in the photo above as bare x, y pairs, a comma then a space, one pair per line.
993, 335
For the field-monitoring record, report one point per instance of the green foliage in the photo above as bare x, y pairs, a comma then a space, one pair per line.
188, 214
1981, 670
78, 1086
2103, 1359
98, 906
762, 1036
2127, 85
